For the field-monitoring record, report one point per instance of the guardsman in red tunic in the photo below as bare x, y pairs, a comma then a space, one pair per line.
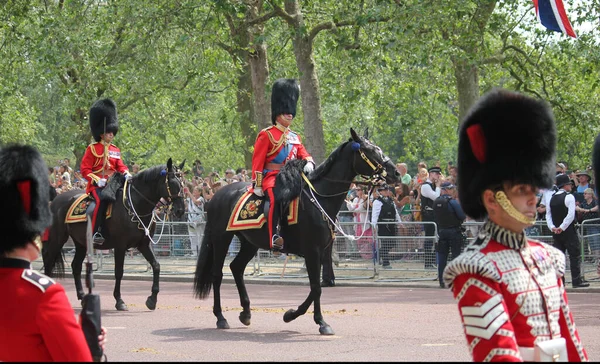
510, 289
101, 159
275, 146
37, 322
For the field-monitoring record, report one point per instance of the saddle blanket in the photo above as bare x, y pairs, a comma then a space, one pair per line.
248, 213
78, 208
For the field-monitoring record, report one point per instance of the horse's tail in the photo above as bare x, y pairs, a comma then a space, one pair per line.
203, 275
54, 263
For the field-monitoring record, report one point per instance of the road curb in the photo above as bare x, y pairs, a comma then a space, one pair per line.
298, 282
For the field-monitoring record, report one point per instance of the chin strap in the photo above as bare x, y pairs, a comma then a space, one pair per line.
511, 210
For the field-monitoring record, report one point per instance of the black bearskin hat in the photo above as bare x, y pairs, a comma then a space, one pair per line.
104, 110
505, 137
25, 189
284, 97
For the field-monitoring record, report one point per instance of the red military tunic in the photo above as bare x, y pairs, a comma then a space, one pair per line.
37, 322
275, 146
510, 295
101, 161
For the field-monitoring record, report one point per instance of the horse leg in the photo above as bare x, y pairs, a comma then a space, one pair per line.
144, 248
238, 267
76, 267
119, 266
313, 267
220, 252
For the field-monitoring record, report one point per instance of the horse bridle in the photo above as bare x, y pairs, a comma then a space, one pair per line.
169, 199
379, 172
377, 169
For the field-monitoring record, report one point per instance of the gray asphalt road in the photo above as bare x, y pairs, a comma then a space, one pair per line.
371, 324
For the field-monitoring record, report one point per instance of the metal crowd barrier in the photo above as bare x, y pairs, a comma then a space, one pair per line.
356, 254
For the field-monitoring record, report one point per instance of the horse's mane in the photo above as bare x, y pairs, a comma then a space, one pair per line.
151, 174
326, 166
289, 182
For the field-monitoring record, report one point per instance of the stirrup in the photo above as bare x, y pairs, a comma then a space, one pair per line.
98, 238
277, 242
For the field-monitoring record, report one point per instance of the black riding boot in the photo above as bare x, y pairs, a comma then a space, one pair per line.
100, 217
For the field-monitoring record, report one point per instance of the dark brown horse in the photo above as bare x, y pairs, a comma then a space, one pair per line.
309, 237
130, 226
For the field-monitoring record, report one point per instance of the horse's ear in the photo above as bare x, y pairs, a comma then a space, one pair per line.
355, 136
366, 133
181, 165
170, 164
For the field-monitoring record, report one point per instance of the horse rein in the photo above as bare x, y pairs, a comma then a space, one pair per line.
136, 216
379, 173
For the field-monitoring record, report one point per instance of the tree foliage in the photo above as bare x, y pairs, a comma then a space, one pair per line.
406, 69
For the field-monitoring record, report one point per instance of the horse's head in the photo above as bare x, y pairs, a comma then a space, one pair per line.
174, 187
372, 161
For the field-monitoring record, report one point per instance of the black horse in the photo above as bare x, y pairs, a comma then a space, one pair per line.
309, 237
131, 214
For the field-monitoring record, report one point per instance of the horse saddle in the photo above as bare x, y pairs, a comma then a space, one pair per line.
77, 211
248, 213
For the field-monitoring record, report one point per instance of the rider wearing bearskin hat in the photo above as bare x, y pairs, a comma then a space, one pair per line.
509, 288
276, 145
37, 321
101, 159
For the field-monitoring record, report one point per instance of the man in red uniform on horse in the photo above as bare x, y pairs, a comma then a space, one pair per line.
276, 145
102, 159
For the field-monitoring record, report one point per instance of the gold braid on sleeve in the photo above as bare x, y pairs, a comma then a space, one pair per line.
259, 178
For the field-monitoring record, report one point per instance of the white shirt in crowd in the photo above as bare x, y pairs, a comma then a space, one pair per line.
427, 191
357, 206
570, 203
377, 210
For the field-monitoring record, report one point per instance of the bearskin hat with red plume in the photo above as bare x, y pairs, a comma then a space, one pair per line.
24, 185
284, 97
505, 137
103, 111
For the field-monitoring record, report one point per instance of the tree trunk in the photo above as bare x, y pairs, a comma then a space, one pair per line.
245, 110
467, 85
314, 140
259, 69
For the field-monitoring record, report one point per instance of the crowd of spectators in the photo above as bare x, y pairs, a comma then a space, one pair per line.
407, 198
200, 187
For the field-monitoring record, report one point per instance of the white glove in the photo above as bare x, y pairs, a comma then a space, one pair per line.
101, 182
128, 176
258, 191
309, 167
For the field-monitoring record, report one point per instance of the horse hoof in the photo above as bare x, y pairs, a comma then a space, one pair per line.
151, 303
326, 330
245, 318
289, 316
121, 306
222, 324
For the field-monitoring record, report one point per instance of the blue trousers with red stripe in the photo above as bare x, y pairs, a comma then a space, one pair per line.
99, 214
